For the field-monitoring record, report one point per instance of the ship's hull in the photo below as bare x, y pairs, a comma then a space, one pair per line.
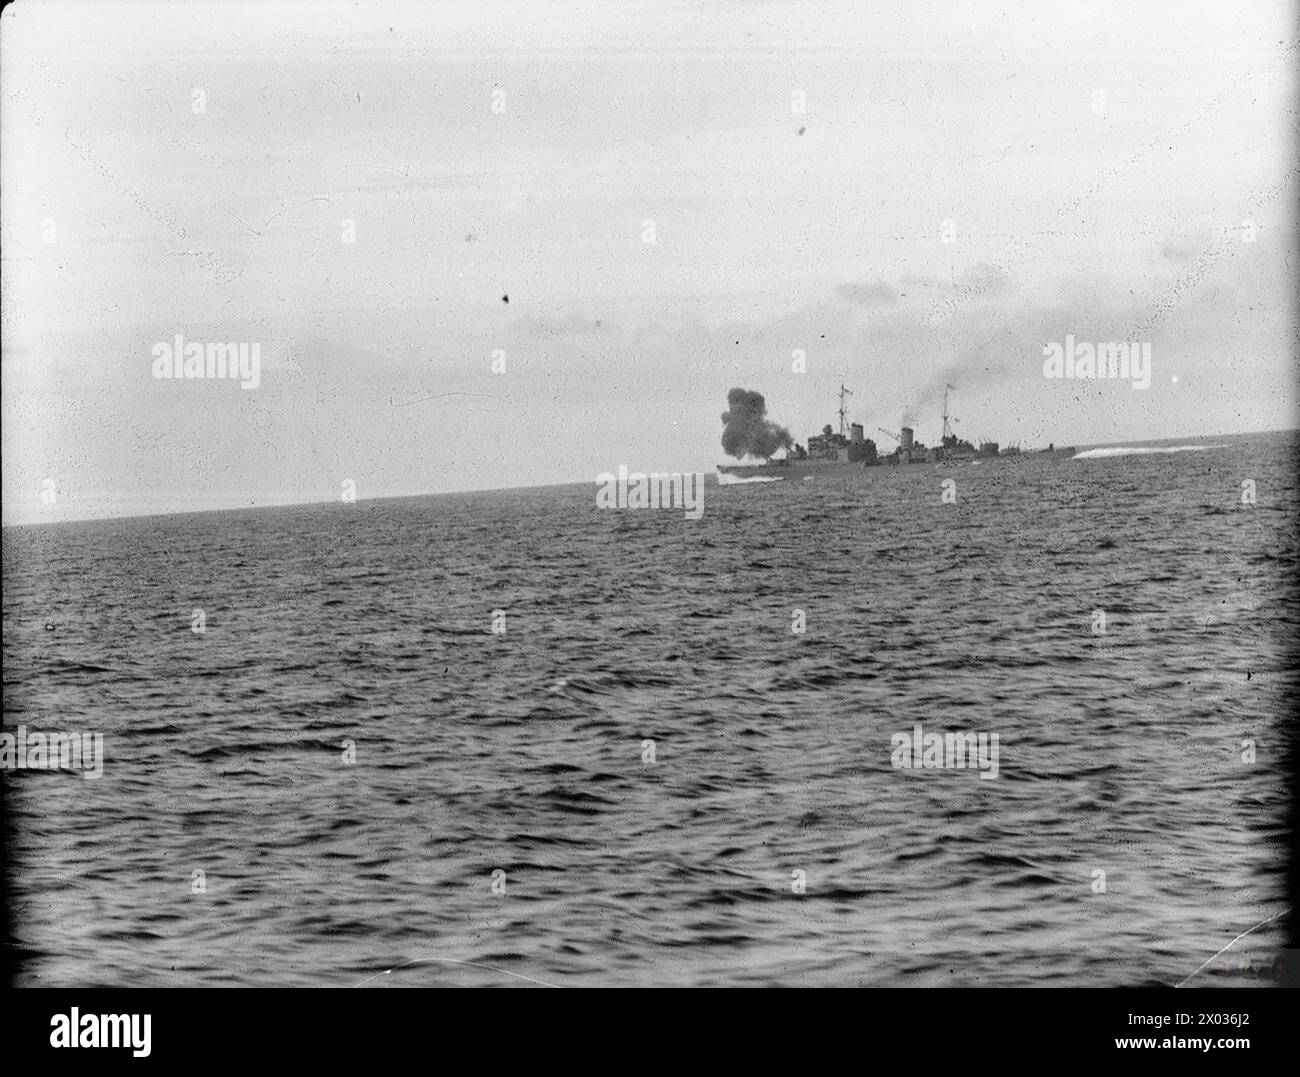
789, 470
796, 470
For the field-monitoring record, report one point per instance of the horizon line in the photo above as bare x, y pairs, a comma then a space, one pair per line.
4, 526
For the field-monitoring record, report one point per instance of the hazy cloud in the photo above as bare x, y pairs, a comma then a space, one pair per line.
877, 294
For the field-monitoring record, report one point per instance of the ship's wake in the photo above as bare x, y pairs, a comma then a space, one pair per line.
725, 479
1140, 450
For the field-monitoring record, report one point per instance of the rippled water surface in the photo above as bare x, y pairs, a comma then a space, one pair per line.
525, 752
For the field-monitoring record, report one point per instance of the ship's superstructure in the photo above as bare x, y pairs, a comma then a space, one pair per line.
833, 450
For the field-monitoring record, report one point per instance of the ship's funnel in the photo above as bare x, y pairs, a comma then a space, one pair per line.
906, 439
855, 432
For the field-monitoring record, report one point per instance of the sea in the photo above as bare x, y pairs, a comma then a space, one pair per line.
513, 739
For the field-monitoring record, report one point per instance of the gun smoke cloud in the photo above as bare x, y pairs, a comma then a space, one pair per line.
746, 430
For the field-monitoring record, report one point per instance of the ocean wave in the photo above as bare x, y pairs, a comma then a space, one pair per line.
680, 740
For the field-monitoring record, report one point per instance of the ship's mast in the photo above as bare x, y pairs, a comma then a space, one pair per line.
843, 393
947, 430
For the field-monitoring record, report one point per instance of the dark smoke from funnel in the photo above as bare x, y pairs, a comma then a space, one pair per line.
746, 430
980, 365
926, 402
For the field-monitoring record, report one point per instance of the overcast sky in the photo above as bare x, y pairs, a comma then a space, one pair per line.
1093, 164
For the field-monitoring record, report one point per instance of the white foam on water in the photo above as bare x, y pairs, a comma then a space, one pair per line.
727, 479
1140, 450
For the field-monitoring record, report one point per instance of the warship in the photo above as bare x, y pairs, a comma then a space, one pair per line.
835, 451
